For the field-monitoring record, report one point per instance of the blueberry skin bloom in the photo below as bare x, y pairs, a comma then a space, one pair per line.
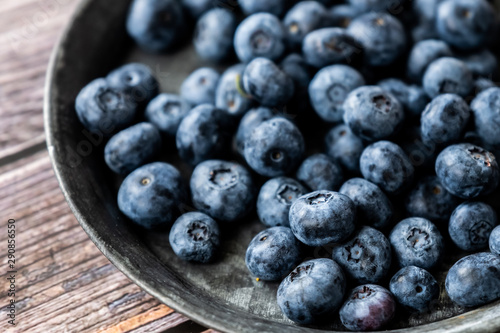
213, 34
132, 147
372, 205
444, 119
423, 54
260, 35
381, 35
319, 172
199, 87
467, 171
330, 87
101, 108
322, 217
367, 308
265, 82
312, 291
416, 242
344, 147
136, 80
373, 113
486, 109
329, 46
366, 257
474, 280
155, 25
273, 253
465, 24
166, 112
275, 199
195, 237
276, 7
385, 164
228, 95
274, 148
224, 190
471, 225
430, 200
152, 194
203, 134
249, 122
412, 97
448, 76
414, 287
304, 17
494, 241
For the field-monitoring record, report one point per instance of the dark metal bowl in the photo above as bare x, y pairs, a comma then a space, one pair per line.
221, 295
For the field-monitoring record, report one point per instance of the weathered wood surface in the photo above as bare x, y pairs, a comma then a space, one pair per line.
63, 283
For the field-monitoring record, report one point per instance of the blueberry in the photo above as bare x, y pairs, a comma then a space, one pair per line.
166, 112
465, 24
329, 46
132, 147
276, 7
366, 257
467, 171
322, 217
494, 241
373, 113
136, 80
275, 198
342, 15
444, 119
104, 109
474, 280
381, 35
329, 89
423, 54
156, 25
385, 164
486, 108
260, 35
373, 208
430, 200
273, 253
481, 84
203, 134
482, 63
223, 190
414, 287
372, 5
249, 122
295, 67
367, 308
213, 35
274, 148
425, 30
151, 196
228, 95
422, 153
304, 17
196, 8
416, 242
195, 237
319, 172
412, 97
312, 291
199, 87
471, 224
448, 75
265, 82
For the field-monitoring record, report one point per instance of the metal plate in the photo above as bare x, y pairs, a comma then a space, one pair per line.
221, 295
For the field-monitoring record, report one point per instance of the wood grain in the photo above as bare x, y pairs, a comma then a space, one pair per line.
63, 283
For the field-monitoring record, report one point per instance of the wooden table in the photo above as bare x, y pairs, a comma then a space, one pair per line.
62, 282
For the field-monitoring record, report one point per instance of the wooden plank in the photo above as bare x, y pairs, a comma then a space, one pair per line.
63, 282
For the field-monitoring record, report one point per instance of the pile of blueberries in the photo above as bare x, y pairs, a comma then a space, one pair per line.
366, 126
